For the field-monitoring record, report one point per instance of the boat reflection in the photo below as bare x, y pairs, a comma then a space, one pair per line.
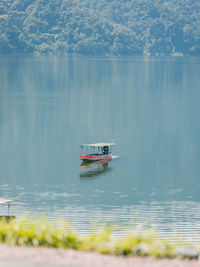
95, 169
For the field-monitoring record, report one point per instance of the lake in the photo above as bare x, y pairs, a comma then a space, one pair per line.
149, 106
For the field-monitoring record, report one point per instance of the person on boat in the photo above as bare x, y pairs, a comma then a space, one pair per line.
105, 150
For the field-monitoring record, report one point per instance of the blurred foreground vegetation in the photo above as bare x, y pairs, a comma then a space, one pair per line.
128, 27
46, 234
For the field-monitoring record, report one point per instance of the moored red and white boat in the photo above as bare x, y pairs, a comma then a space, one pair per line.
98, 151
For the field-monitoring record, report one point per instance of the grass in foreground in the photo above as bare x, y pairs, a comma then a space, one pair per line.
46, 234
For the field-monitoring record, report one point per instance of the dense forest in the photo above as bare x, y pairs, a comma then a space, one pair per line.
100, 27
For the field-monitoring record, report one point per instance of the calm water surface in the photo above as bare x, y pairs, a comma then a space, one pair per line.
149, 106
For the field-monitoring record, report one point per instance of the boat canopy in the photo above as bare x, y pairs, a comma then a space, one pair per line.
4, 200
98, 145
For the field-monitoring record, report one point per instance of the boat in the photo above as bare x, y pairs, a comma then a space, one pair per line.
8, 202
98, 151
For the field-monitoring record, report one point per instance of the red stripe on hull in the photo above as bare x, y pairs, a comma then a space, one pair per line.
94, 164
92, 157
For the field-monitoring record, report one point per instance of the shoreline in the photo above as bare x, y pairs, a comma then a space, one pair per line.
45, 234
17, 256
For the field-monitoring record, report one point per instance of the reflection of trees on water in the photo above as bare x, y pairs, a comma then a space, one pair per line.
95, 169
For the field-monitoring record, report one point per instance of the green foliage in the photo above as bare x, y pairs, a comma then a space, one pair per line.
157, 27
38, 234
97, 240
46, 234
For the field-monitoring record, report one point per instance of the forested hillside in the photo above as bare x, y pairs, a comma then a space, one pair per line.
119, 27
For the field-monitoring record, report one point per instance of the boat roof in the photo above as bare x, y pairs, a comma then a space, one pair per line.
4, 200
98, 145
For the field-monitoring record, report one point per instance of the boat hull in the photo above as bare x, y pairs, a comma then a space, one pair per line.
90, 164
92, 157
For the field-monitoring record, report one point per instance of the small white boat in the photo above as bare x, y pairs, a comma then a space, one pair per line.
7, 201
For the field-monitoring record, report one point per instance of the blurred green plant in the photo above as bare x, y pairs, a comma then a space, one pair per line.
43, 233
38, 233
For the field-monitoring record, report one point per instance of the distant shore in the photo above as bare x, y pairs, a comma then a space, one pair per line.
15, 256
